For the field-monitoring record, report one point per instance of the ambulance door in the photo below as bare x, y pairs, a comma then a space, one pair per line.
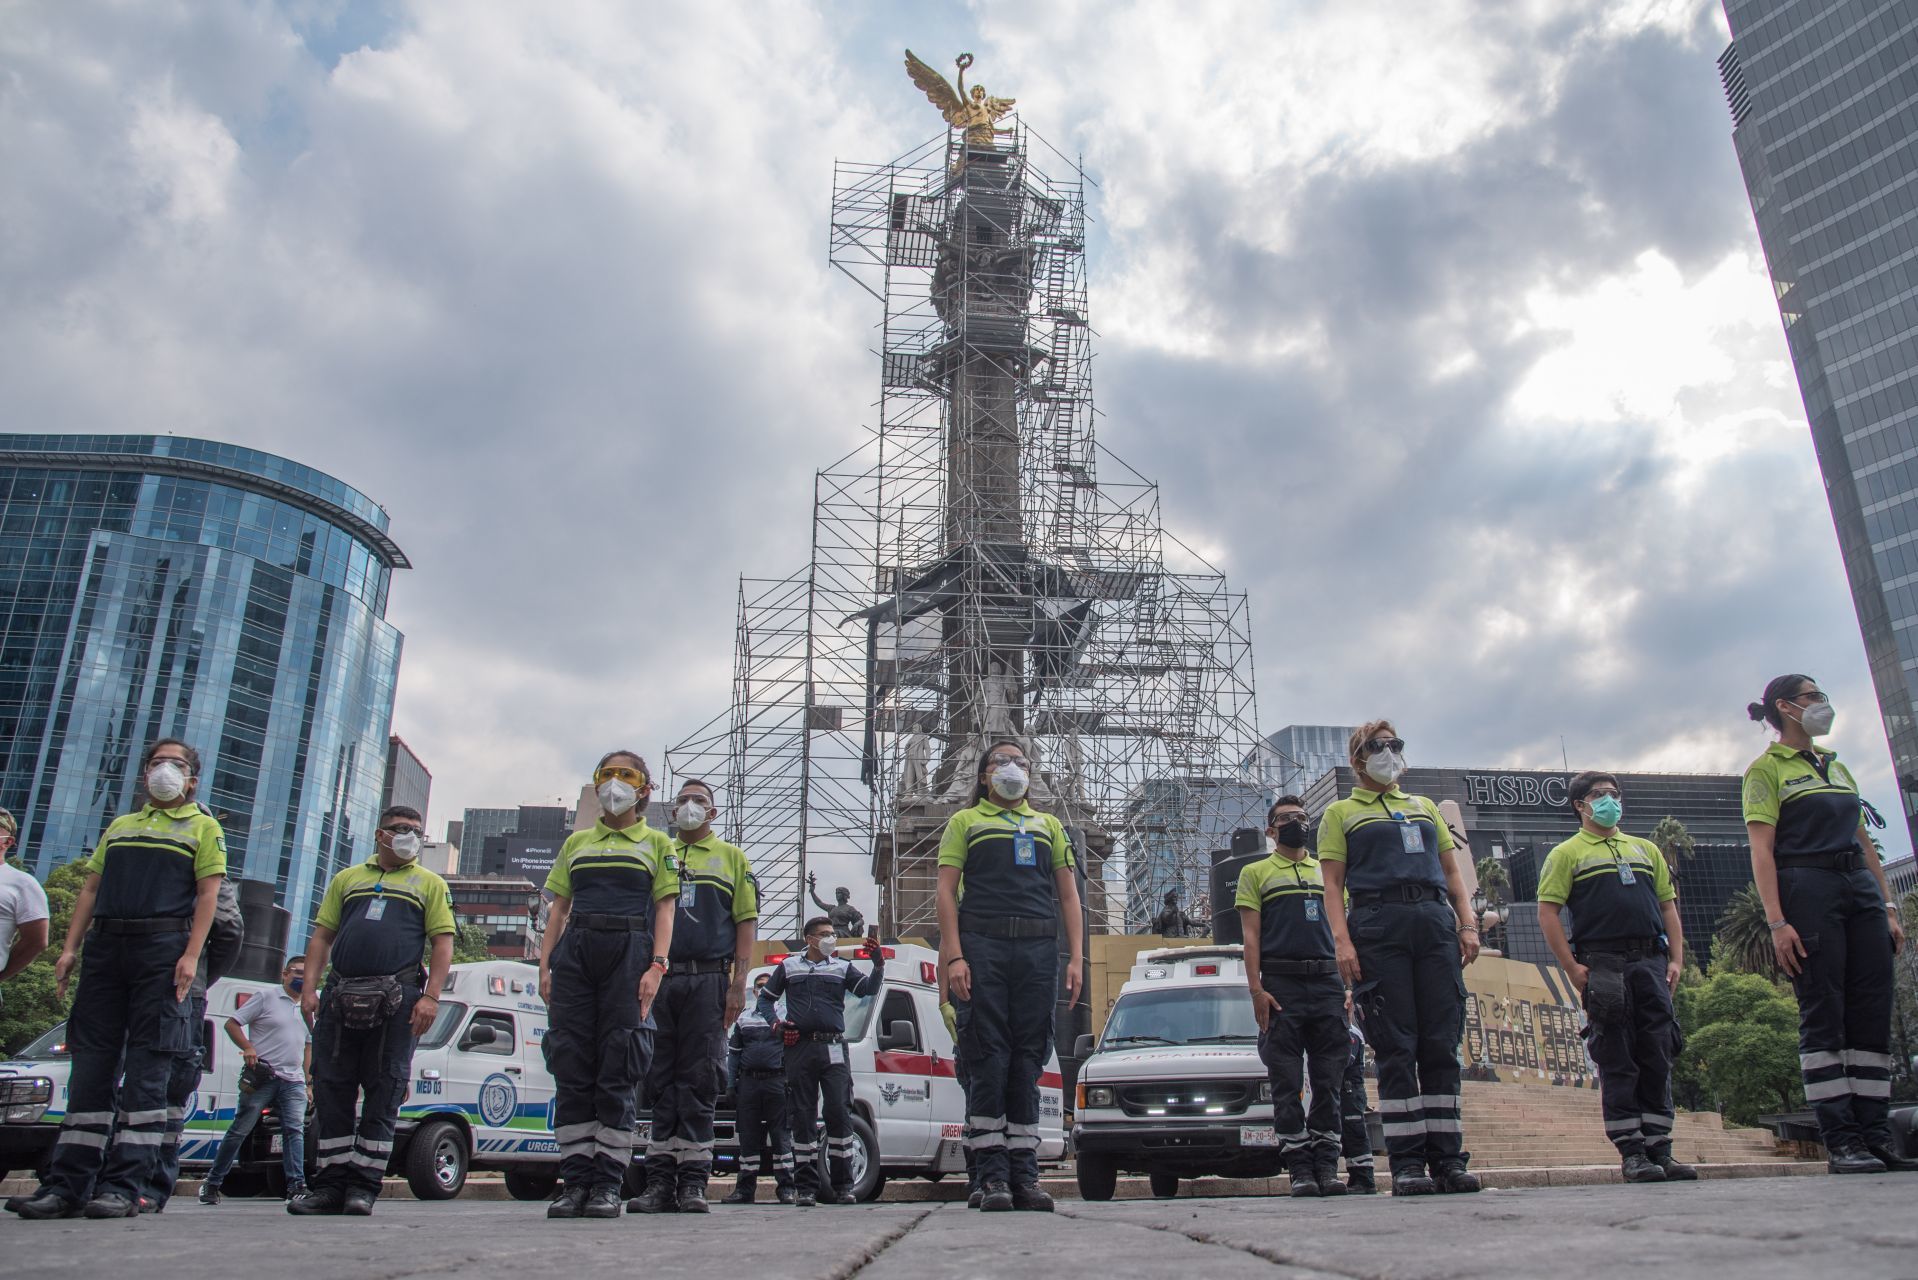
486, 1078
902, 1079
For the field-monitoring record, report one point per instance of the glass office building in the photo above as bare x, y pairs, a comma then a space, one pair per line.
1824, 101
1289, 761
153, 586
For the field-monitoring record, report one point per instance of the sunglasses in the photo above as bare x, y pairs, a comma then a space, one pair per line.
1384, 744
404, 831
632, 777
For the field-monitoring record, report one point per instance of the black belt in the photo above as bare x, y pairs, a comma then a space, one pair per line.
147, 924
1299, 968
1397, 893
1847, 860
769, 1073
1627, 948
621, 924
823, 1037
1009, 926
698, 966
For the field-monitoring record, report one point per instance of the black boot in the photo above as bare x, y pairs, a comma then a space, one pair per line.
112, 1205
1409, 1179
743, 1189
1852, 1158
1325, 1171
806, 1199
997, 1197
570, 1203
357, 1203
1638, 1167
692, 1193
975, 1197
44, 1204
603, 1203
786, 1195
1450, 1177
660, 1196
1359, 1179
318, 1200
1304, 1177
1031, 1199
1893, 1162
1661, 1156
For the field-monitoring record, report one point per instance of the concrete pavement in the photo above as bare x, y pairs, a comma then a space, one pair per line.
1754, 1228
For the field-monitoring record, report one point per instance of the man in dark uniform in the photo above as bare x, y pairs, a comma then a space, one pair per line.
1355, 1140
376, 920
150, 895
703, 991
1297, 997
815, 984
756, 1061
1625, 956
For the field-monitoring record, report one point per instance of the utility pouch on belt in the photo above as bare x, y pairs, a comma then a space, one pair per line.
1605, 996
257, 1076
366, 1003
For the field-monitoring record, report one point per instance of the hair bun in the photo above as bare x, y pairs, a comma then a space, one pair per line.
1756, 710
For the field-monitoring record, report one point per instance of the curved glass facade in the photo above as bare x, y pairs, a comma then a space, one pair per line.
155, 586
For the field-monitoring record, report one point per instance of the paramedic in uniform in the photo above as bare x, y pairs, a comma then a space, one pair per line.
378, 917
149, 895
704, 991
1625, 957
756, 1061
600, 966
1297, 997
1834, 923
1005, 878
1401, 946
815, 984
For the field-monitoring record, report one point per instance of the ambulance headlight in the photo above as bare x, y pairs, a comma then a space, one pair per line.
24, 1099
1098, 1096
1265, 1091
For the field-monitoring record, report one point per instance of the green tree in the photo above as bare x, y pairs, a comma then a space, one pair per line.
1674, 842
1741, 1045
469, 944
1904, 1008
31, 1004
1743, 942
1494, 879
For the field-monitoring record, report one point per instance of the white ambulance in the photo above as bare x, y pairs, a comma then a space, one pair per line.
1175, 1087
909, 1114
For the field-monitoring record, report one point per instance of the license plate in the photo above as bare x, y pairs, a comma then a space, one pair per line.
1257, 1135
274, 1146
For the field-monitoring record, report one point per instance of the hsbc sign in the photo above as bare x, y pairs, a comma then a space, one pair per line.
1516, 790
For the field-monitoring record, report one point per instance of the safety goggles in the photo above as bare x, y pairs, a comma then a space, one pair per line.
631, 777
404, 831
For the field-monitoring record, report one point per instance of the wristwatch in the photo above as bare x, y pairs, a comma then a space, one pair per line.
662, 964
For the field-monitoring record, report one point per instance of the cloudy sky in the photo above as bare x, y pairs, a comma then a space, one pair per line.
1455, 311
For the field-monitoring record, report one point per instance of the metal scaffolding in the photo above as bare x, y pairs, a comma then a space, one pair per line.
981, 568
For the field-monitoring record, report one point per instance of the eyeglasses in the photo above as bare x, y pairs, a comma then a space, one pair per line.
1005, 759
1377, 745
1815, 695
632, 777
404, 831
1601, 795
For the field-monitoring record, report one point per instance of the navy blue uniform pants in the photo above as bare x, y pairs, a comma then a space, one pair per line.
125, 1026
1305, 1042
1412, 995
817, 1075
1634, 1055
759, 1116
689, 1043
183, 1081
359, 1080
1844, 988
1005, 1038
597, 1047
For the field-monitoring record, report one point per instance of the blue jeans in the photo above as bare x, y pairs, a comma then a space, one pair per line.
288, 1100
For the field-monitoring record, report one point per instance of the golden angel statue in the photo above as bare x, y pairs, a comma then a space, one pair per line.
978, 114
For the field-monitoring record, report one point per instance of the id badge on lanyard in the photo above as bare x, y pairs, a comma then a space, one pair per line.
376, 909
1411, 835
1025, 849
1625, 873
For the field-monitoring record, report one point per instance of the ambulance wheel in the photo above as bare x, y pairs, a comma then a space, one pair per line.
1098, 1176
868, 1178
530, 1186
436, 1160
1164, 1185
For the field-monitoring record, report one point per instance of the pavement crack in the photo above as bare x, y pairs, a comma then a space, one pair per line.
870, 1254
1316, 1263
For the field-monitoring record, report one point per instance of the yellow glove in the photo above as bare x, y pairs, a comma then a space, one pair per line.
951, 1015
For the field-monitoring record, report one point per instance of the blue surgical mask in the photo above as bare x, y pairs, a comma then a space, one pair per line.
1607, 810
296, 985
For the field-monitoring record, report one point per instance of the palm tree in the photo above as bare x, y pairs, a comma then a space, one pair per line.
1744, 936
1494, 879
1674, 842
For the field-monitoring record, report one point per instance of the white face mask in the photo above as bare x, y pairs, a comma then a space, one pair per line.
1385, 767
690, 816
1817, 718
166, 781
406, 846
1010, 781
615, 796
827, 941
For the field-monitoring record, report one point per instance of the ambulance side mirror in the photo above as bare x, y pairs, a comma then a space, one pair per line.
899, 1035
1083, 1046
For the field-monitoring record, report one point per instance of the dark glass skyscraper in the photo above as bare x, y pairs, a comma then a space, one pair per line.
1824, 100
153, 586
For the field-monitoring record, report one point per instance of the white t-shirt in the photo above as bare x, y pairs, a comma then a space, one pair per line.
22, 901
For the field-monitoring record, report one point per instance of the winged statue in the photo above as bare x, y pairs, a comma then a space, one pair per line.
977, 114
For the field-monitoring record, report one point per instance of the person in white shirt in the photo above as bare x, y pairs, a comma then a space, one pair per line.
23, 909
277, 1044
